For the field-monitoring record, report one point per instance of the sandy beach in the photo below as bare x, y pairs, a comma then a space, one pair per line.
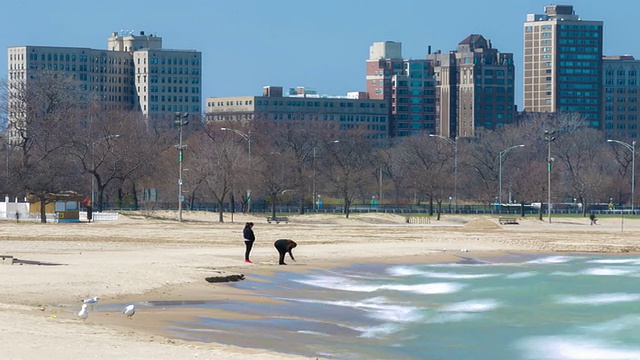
153, 258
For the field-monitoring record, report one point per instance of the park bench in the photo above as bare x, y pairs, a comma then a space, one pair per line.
277, 219
508, 221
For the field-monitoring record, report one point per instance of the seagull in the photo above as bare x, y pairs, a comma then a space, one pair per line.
129, 310
91, 301
84, 313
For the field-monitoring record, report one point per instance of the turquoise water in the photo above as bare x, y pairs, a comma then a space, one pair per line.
516, 307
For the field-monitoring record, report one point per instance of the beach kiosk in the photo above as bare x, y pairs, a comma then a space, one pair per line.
65, 205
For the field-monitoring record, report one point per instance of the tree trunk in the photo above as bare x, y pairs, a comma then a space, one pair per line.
439, 204
136, 205
221, 210
273, 205
347, 203
43, 211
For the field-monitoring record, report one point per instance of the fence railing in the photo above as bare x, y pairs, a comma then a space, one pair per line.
100, 216
35, 217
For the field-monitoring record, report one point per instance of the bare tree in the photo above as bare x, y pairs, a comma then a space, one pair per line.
348, 165
45, 114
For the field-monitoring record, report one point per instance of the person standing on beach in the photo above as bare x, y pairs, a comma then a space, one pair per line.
285, 246
249, 238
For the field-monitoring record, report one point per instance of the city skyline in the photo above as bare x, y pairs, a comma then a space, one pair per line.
248, 44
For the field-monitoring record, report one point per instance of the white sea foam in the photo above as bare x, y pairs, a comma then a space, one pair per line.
607, 271
448, 317
522, 275
376, 331
403, 271
429, 289
615, 261
599, 299
552, 260
574, 348
377, 307
409, 271
472, 306
338, 283
624, 324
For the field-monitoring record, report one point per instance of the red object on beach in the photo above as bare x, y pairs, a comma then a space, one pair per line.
248, 261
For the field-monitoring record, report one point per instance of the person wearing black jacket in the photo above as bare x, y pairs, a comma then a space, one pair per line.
285, 246
249, 238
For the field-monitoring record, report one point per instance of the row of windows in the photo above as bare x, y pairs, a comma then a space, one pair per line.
175, 98
631, 73
330, 117
61, 57
578, 42
621, 90
170, 61
622, 126
169, 80
621, 82
621, 108
413, 100
155, 107
579, 34
413, 108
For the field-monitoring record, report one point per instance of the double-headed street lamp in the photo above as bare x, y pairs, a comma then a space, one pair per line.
548, 137
502, 153
455, 167
247, 137
631, 147
180, 121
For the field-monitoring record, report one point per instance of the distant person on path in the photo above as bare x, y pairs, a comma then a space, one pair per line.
249, 238
593, 219
285, 246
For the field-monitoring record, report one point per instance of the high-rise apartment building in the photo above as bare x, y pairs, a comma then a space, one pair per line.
621, 82
135, 72
563, 63
474, 87
406, 84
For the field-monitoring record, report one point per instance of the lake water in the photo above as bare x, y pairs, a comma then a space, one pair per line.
516, 307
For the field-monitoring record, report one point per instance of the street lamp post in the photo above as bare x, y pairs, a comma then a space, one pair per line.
454, 143
502, 153
93, 164
247, 137
313, 190
180, 121
548, 137
631, 147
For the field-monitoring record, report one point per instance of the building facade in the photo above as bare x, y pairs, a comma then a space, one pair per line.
134, 73
563, 64
621, 82
475, 87
407, 85
354, 111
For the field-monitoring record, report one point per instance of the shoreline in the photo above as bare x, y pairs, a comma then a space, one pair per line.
137, 260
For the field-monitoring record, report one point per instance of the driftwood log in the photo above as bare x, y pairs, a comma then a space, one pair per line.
224, 278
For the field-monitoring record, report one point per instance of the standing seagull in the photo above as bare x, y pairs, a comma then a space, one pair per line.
129, 310
84, 313
91, 301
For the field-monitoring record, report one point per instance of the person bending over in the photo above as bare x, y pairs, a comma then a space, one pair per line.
285, 246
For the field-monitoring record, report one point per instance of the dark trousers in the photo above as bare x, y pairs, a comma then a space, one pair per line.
249, 245
281, 246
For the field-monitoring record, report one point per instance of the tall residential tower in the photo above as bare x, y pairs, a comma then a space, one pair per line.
475, 88
407, 85
563, 64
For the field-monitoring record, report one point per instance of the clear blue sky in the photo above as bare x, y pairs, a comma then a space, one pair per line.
247, 44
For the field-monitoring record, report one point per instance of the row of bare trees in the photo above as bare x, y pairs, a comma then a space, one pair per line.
67, 142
